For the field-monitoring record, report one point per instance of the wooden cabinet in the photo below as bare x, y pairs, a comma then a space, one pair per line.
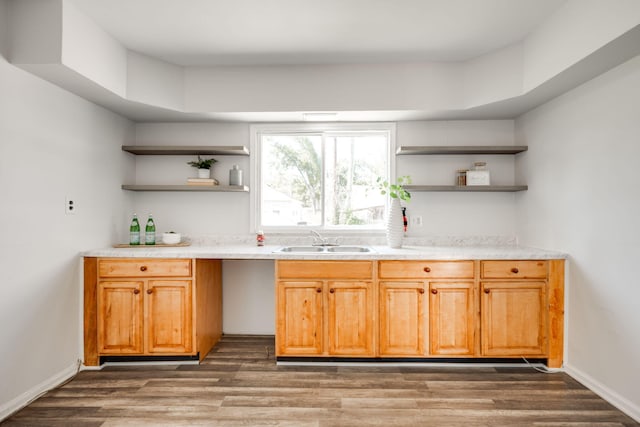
514, 309
451, 308
169, 316
151, 307
325, 308
513, 319
300, 318
120, 314
145, 317
402, 319
452, 318
350, 316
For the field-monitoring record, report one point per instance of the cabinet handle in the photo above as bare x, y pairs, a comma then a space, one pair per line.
136, 291
319, 290
427, 269
149, 291
514, 270
421, 290
486, 291
332, 290
434, 291
143, 268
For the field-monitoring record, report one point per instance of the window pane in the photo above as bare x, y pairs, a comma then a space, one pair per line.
291, 186
353, 163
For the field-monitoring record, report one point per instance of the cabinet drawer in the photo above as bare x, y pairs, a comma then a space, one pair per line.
144, 267
425, 269
325, 269
514, 269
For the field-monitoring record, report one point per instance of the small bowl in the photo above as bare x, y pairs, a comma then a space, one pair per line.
171, 238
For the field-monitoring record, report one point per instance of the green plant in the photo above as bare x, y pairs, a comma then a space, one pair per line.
395, 191
202, 163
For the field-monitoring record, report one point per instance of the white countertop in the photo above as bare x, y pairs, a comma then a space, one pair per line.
248, 251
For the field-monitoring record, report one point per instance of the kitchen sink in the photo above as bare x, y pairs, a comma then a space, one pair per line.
348, 249
324, 249
301, 249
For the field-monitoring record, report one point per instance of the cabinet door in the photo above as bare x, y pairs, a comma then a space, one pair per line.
513, 319
451, 318
169, 316
299, 312
401, 319
351, 318
120, 310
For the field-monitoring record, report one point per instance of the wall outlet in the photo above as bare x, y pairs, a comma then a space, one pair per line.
70, 206
416, 220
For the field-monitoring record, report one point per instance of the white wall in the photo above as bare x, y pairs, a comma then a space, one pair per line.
458, 214
583, 199
248, 285
52, 145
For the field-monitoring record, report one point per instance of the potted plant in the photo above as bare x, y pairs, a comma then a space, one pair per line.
395, 223
203, 166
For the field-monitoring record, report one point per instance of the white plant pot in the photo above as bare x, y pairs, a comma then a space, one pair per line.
204, 173
395, 224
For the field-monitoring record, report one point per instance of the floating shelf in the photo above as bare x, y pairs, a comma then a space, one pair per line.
460, 149
218, 188
220, 150
467, 188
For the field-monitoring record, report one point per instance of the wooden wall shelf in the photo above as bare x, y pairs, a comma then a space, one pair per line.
180, 150
460, 149
216, 188
469, 188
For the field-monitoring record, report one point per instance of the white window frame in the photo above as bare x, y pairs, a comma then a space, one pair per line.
256, 130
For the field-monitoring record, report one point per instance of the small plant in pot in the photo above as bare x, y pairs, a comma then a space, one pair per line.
203, 166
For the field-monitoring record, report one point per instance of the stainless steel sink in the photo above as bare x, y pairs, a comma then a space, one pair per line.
301, 249
324, 249
348, 249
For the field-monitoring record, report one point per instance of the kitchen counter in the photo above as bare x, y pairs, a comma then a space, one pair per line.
247, 251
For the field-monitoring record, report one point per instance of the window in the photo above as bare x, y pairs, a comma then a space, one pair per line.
320, 176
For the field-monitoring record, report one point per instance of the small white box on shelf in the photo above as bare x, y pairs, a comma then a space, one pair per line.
478, 178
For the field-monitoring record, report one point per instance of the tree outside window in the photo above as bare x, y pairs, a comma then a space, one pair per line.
322, 179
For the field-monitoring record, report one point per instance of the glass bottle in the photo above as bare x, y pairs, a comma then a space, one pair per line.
235, 176
150, 232
134, 231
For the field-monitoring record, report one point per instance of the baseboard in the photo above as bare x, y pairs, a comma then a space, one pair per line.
25, 398
604, 392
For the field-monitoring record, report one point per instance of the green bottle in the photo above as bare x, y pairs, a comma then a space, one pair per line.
150, 232
134, 231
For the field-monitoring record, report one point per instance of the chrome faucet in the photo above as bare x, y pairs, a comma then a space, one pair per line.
318, 240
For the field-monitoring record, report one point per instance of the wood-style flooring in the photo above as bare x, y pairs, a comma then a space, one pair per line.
239, 384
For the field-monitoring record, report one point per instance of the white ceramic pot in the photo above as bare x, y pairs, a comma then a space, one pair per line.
395, 224
204, 173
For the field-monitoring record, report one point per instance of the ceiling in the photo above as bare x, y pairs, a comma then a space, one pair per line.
278, 32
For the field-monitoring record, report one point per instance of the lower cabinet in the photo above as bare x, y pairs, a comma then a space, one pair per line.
300, 318
333, 315
427, 309
402, 320
513, 319
151, 316
452, 318
151, 307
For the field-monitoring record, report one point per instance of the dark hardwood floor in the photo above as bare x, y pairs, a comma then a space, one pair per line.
239, 384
